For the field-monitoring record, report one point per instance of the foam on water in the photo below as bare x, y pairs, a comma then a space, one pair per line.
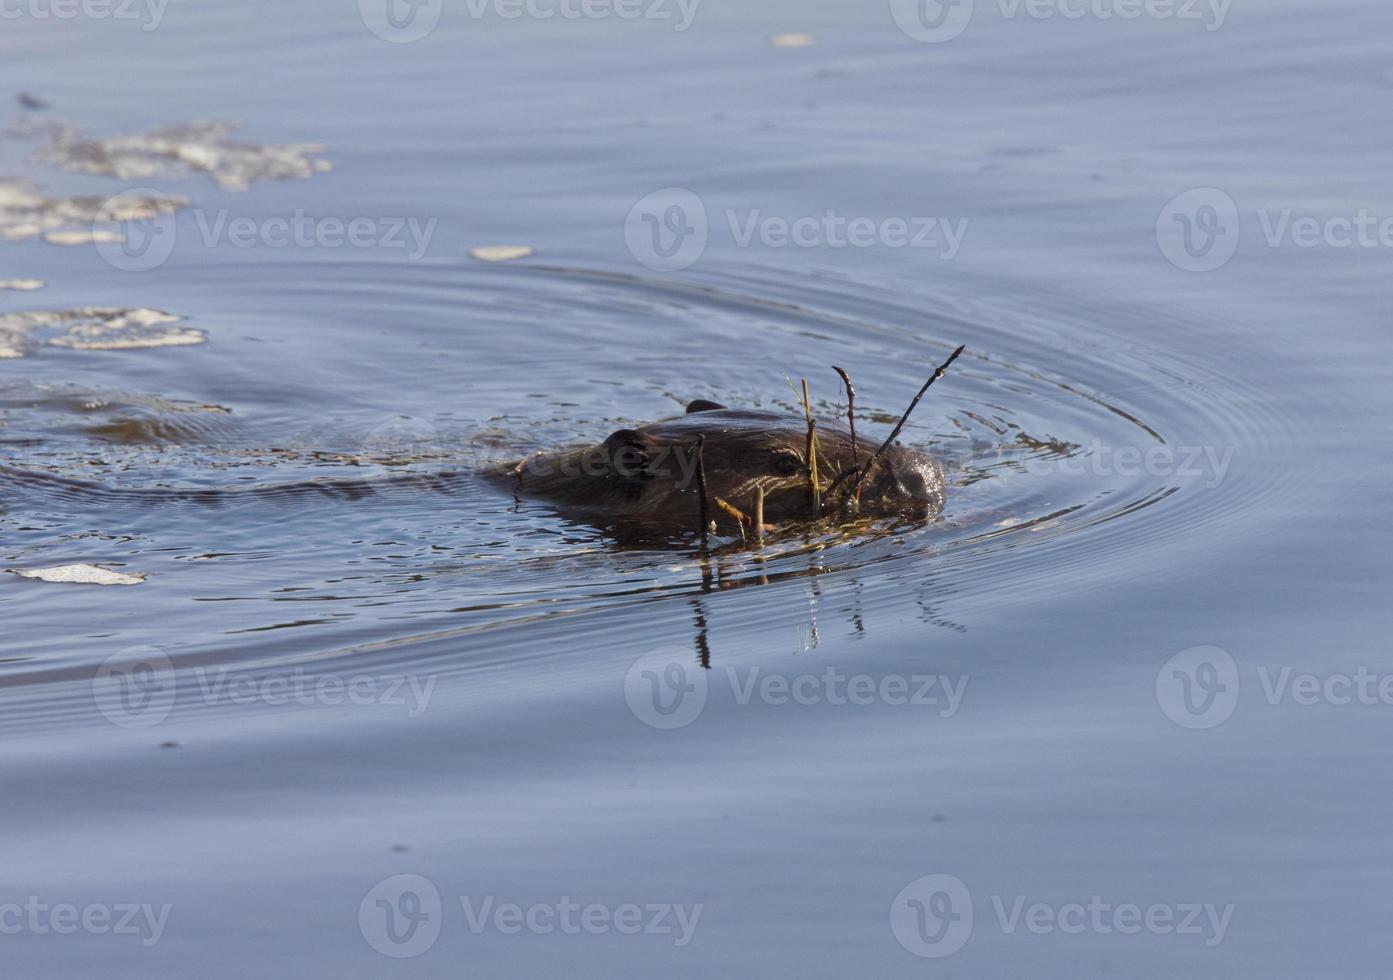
25, 213
203, 147
93, 328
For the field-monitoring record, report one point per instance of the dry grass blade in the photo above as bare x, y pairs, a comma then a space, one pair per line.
742, 519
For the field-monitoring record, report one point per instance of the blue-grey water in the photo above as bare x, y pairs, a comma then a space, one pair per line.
1121, 710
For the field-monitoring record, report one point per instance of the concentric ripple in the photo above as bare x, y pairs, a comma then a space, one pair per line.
285, 517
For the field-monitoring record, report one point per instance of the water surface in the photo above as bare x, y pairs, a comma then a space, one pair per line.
362, 661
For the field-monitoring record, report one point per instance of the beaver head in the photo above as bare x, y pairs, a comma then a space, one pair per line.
650, 471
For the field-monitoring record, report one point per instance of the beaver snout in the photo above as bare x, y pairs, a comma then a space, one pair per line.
906, 477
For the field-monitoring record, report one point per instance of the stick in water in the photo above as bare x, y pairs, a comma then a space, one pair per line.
812, 452
850, 409
759, 516
865, 471
701, 487
742, 519
850, 501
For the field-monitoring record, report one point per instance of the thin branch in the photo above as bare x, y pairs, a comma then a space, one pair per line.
701, 486
813, 485
742, 519
865, 470
850, 409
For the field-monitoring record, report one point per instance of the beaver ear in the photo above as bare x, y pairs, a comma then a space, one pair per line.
621, 438
630, 452
702, 405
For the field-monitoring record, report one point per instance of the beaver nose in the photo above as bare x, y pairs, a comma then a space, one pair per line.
914, 482
917, 478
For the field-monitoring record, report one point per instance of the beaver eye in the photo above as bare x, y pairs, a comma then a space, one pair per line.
787, 464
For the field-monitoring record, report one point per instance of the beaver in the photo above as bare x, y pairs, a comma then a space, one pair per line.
649, 474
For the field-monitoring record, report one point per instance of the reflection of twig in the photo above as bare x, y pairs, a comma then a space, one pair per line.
865, 471
702, 641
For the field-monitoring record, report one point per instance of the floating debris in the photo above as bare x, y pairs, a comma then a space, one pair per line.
93, 328
25, 213
13, 343
792, 41
176, 151
117, 329
499, 253
80, 575
93, 236
21, 284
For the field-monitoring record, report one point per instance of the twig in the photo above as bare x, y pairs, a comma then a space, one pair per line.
865, 470
812, 451
841, 478
850, 409
759, 516
732, 510
741, 518
855, 448
701, 486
